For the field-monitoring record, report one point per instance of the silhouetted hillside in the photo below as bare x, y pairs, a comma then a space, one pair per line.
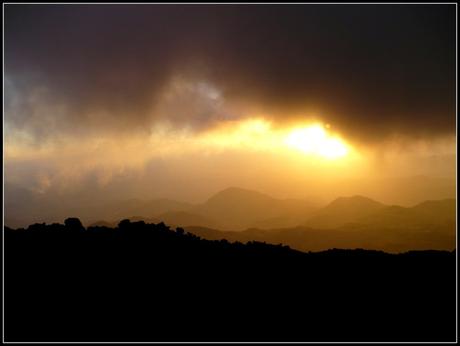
183, 218
114, 224
351, 236
232, 209
429, 225
238, 209
145, 208
146, 282
24, 206
443, 209
423, 215
343, 210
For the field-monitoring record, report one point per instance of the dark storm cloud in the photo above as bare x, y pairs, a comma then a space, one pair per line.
369, 69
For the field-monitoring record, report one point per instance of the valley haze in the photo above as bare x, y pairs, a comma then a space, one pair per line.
238, 214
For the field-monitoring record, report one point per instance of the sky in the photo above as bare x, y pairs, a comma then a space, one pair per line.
179, 101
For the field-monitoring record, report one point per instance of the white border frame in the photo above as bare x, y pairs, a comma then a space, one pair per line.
223, 3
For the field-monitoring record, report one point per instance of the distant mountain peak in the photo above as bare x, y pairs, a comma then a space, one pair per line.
238, 192
238, 208
355, 199
344, 210
432, 202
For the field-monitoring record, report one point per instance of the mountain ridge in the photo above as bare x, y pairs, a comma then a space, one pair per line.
238, 209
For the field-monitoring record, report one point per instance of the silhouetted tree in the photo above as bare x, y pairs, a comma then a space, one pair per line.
124, 224
74, 224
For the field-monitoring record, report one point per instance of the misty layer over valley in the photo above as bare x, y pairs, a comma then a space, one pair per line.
243, 215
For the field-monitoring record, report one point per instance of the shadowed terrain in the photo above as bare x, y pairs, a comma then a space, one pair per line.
147, 282
360, 223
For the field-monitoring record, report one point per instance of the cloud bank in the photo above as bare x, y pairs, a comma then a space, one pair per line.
130, 96
369, 70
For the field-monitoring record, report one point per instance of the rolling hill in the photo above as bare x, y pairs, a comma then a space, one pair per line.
343, 210
182, 218
424, 215
233, 209
428, 225
238, 209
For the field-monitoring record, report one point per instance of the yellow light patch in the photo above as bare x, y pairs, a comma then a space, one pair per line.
315, 140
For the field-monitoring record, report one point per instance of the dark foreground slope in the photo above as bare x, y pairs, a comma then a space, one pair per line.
143, 282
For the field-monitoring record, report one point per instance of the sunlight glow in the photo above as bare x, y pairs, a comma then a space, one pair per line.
315, 140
